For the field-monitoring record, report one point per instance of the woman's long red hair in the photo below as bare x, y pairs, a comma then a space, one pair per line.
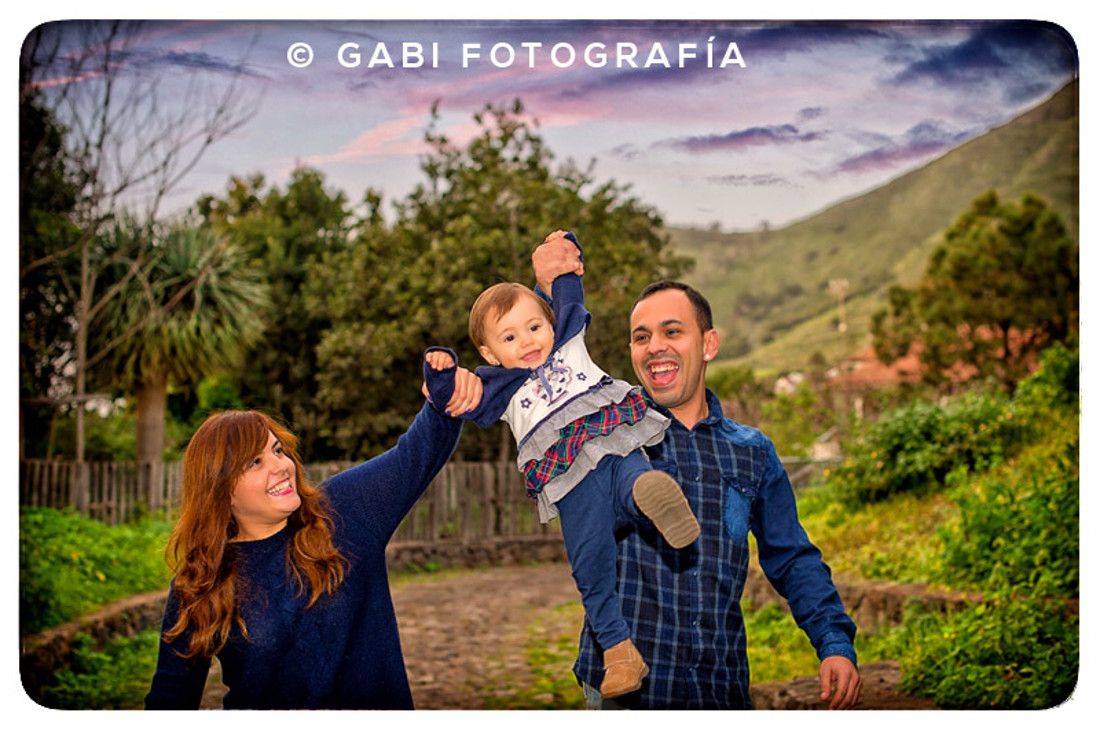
206, 582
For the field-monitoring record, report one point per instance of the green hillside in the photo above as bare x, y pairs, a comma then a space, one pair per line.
770, 289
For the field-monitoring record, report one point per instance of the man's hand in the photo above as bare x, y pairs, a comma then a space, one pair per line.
839, 679
557, 255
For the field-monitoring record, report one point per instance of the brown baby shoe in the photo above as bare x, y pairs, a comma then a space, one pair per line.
623, 670
662, 501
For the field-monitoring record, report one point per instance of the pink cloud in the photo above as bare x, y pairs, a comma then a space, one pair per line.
394, 137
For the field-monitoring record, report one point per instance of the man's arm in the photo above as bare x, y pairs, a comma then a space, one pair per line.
795, 568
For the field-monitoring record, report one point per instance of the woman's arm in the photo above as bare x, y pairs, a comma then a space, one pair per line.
453, 390
379, 492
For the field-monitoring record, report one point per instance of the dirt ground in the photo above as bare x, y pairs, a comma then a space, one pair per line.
464, 638
455, 648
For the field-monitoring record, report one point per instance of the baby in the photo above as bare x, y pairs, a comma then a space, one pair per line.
580, 435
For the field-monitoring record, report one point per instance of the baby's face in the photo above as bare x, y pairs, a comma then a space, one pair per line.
522, 338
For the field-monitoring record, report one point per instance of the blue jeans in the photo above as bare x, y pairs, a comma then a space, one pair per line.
591, 513
593, 701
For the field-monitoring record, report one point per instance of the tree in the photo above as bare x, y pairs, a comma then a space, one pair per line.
195, 310
1002, 286
48, 190
129, 140
472, 223
283, 233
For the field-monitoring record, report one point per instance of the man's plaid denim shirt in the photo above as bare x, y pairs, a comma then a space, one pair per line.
684, 606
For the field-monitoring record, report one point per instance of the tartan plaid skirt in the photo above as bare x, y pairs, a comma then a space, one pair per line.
573, 436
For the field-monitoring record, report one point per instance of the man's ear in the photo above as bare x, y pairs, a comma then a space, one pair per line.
710, 344
487, 355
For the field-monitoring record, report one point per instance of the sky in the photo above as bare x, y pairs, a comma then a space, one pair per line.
740, 124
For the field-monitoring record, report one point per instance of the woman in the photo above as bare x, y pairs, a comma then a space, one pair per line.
287, 583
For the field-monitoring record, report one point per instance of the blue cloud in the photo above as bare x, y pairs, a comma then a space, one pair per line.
764, 180
782, 134
920, 142
1027, 58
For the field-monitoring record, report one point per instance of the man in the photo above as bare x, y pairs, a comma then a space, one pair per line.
684, 605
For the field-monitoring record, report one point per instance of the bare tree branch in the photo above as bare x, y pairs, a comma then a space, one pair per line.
132, 135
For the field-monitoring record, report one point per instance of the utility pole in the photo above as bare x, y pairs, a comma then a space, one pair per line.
839, 288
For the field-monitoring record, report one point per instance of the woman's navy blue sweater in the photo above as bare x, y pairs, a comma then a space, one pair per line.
345, 651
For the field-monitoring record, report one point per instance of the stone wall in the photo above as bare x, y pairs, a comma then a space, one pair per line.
44, 654
871, 604
473, 554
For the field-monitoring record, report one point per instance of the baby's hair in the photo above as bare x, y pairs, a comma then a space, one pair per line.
497, 300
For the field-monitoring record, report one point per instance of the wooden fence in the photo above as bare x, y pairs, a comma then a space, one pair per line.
467, 500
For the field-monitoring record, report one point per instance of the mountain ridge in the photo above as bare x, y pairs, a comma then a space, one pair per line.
779, 296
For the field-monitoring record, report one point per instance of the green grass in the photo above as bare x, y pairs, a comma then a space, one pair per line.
779, 651
550, 650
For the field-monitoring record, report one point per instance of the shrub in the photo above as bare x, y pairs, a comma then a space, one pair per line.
1015, 528
70, 565
1056, 384
1012, 653
115, 678
917, 446
794, 420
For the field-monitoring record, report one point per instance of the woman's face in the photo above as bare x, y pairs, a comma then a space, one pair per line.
266, 494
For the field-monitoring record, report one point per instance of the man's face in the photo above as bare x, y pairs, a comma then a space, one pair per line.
668, 348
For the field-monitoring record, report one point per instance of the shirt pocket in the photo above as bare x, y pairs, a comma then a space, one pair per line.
739, 497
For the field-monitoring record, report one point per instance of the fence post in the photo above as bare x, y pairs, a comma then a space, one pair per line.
78, 486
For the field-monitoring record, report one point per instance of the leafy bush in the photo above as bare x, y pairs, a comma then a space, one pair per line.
794, 420
70, 565
1013, 653
1056, 384
1019, 528
115, 678
917, 446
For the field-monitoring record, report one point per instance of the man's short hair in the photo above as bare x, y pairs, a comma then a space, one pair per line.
698, 301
